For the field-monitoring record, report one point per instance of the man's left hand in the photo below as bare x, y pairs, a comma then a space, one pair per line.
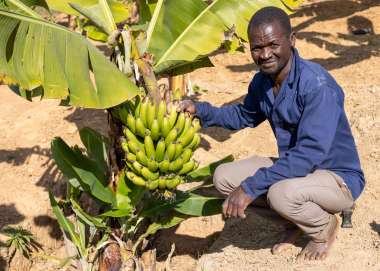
236, 203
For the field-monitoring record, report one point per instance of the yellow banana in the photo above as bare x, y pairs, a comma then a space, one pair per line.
130, 136
137, 167
164, 165
143, 111
160, 150
180, 124
152, 185
150, 114
171, 137
165, 127
124, 146
161, 112
141, 158
162, 183
140, 127
155, 130
137, 106
172, 115
133, 146
170, 151
178, 150
131, 123
187, 167
149, 147
149, 175
186, 155
131, 157
152, 165
135, 179
173, 183
176, 165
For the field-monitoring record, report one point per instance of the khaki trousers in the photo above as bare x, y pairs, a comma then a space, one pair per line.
309, 202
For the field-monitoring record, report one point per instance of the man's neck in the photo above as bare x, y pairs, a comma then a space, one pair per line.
280, 77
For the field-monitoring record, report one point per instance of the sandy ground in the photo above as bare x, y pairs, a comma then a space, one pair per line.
27, 171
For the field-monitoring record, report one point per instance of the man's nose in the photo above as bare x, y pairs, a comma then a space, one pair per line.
266, 53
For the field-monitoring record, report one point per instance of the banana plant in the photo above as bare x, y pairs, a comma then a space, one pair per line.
129, 174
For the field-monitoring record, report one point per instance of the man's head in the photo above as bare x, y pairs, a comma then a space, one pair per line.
271, 39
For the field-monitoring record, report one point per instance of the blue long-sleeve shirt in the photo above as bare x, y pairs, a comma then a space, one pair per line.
308, 121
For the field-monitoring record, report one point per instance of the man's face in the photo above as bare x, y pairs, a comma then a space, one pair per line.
270, 47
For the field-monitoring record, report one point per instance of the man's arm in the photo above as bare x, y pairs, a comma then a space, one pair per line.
316, 132
235, 116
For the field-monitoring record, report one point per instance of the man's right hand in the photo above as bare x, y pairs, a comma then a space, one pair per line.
187, 106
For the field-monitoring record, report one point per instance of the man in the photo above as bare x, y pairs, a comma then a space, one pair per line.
318, 172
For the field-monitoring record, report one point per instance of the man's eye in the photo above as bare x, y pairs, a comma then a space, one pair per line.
255, 50
275, 46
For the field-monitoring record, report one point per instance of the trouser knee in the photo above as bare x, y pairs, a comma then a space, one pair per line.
281, 198
220, 179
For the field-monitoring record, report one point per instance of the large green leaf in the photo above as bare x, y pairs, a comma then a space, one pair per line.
184, 32
36, 53
208, 170
119, 10
186, 203
77, 166
96, 147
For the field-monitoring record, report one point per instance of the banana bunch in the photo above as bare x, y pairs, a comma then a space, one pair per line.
159, 143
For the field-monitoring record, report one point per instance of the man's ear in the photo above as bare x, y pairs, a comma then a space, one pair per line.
292, 38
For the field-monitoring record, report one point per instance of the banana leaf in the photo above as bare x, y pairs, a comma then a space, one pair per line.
120, 11
186, 32
207, 171
65, 224
96, 147
36, 53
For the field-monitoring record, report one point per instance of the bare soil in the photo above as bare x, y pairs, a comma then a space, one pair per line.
324, 35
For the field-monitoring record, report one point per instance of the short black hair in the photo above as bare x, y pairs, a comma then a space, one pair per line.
269, 15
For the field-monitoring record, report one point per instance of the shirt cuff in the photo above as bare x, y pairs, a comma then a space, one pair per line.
245, 186
201, 111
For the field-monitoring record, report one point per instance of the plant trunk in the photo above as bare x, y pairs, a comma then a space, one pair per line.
178, 82
110, 259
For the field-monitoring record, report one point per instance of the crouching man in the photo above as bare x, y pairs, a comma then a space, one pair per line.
318, 172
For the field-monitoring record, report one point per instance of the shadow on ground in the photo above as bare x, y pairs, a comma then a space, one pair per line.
375, 227
364, 42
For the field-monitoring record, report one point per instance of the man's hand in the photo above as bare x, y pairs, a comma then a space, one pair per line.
236, 203
187, 106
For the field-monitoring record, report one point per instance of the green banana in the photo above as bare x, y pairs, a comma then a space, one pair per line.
131, 157
162, 183
135, 179
178, 150
188, 137
195, 142
160, 150
123, 114
149, 175
133, 146
152, 185
196, 124
172, 115
161, 112
140, 127
171, 137
149, 146
143, 111
176, 165
173, 183
124, 146
165, 126
137, 167
137, 106
141, 158
180, 124
170, 151
187, 167
186, 155
187, 125
155, 130
152, 165
150, 114
131, 123
164, 165
130, 136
